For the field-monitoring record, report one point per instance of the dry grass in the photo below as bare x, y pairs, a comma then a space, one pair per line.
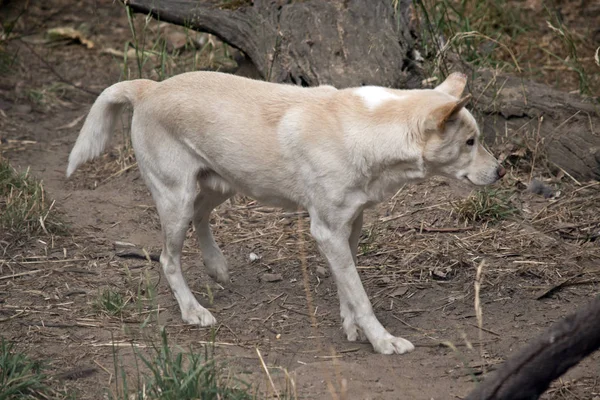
26, 210
114, 162
544, 41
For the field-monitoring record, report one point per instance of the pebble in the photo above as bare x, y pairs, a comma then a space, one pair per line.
271, 277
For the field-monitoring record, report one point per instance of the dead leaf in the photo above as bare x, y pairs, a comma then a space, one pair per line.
131, 53
67, 33
112, 52
118, 53
441, 272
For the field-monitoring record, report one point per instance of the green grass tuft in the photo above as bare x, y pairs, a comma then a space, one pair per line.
487, 205
110, 302
20, 377
181, 376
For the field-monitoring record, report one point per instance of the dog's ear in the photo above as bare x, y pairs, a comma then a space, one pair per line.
454, 85
446, 112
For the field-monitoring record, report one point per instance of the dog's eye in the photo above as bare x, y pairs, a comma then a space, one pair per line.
470, 142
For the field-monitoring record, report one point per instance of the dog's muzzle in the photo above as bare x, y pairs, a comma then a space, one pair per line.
500, 172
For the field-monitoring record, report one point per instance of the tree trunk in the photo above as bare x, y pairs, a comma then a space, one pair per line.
313, 42
357, 42
528, 374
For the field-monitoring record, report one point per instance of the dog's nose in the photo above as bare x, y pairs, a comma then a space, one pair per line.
500, 171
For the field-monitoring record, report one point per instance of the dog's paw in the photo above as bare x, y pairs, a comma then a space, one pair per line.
351, 333
392, 345
216, 267
198, 315
219, 275
351, 329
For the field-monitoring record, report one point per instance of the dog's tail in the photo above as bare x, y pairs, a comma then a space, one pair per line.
100, 122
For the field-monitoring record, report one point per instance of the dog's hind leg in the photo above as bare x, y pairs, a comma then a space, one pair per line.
214, 261
175, 209
171, 176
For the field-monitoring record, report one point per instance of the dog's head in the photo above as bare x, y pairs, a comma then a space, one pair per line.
452, 146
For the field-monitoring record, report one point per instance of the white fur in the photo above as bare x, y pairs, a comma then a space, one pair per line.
315, 148
374, 96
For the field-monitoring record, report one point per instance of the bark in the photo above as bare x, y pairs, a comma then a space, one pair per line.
312, 42
528, 374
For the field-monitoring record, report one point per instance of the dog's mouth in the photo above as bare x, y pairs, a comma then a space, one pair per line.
465, 178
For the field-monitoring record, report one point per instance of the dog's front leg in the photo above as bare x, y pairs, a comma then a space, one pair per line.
333, 238
346, 313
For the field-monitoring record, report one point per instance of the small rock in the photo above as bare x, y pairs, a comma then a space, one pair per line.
271, 277
399, 292
254, 257
322, 271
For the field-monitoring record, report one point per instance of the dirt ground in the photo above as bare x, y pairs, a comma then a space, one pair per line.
418, 257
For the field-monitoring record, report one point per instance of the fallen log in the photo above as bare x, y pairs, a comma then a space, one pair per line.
568, 125
530, 372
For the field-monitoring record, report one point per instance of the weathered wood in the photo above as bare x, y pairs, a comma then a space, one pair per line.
529, 373
570, 129
312, 42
